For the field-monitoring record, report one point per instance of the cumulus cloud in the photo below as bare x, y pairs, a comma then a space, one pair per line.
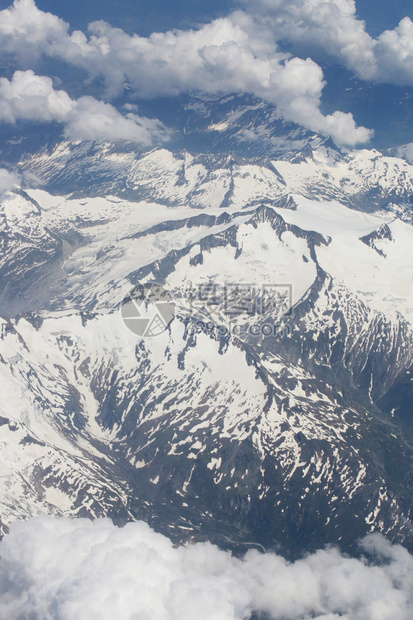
227, 55
79, 569
394, 51
329, 24
333, 26
27, 32
32, 97
96, 120
223, 56
238, 53
8, 180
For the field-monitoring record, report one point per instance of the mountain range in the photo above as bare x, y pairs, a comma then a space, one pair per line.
274, 410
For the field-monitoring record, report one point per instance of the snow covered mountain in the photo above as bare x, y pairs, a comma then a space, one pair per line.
275, 408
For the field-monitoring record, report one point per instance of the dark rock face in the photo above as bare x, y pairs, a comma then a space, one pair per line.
383, 232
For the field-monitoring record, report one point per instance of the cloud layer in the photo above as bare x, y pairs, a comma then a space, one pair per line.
231, 54
32, 97
78, 569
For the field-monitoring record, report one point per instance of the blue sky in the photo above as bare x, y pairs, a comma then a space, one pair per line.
142, 16
146, 16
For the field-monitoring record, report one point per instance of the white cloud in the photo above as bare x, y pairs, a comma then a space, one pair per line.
27, 32
333, 26
8, 180
78, 569
405, 151
96, 120
328, 24
228, 55
237, 53
394, 51
31, 97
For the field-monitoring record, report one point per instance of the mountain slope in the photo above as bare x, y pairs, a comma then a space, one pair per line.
257, 417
